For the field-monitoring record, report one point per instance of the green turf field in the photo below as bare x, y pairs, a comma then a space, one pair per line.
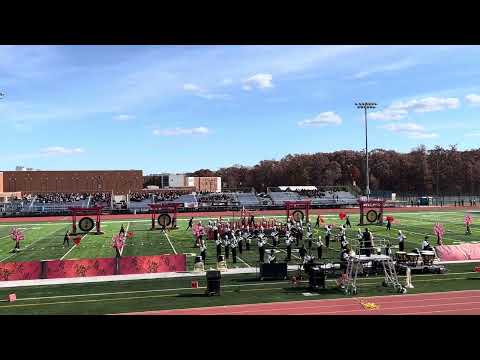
44, 240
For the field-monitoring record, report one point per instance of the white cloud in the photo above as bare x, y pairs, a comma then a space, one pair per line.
473, 99
400, 65
123, 117
412, 130
388, 114
400, 109
322, 119
260, 81
204, 93
60, 150
191, 87
181, 131
227, 81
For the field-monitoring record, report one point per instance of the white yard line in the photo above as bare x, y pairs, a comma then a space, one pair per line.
7, 236
239, 258
26, 247
175, 251
286, 252
73, 247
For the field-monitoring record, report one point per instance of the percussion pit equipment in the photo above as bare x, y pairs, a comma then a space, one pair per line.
401, 256
412, 259
427, 257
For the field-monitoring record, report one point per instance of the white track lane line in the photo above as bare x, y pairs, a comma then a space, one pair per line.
165, 233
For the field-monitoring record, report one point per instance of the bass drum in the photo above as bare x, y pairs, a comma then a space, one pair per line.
164, 220
86, 224
372, 216
298, 215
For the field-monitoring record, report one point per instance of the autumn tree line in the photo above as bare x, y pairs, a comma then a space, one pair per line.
442, 171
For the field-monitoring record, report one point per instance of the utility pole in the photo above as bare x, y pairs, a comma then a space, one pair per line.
365, 106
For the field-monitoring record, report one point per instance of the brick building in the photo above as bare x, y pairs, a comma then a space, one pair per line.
118, 181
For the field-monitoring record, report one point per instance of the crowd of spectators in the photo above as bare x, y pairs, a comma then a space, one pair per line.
215, 198
158, 195
46, 198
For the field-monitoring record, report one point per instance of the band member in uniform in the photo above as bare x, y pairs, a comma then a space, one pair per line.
347, 224
66, 239
122, 230
248, 239
226, 245
288, 242
200, 234
343, 241
328, 234
275, 236
239, 237
317, 223
302, 252
261, 249
426, 245
389, 224
252, 220
203, 252
367, 242
319, 245
401, 241
218, 242
233, 246
271, 257
309, 236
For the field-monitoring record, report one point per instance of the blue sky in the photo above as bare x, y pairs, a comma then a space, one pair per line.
182, 108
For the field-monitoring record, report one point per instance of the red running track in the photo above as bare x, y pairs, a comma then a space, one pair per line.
440, 303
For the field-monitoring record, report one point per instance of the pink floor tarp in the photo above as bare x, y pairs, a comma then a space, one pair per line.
458, 252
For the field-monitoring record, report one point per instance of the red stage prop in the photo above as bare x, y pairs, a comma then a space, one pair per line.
298, 205
373, 205
169, 207
53, 269
342, 216
153, 264
20, 271
78, 211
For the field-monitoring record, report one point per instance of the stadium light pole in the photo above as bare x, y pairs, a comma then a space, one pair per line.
365, 106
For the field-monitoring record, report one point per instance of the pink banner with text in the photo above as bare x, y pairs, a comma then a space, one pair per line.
152, 264
20, 271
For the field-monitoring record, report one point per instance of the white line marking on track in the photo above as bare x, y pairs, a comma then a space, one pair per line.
175, 251
73, 247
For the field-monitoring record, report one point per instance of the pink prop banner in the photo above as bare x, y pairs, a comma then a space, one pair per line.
439, 230
80, 268
458, 252
20, 271
16, 234
153, 264
468, 220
